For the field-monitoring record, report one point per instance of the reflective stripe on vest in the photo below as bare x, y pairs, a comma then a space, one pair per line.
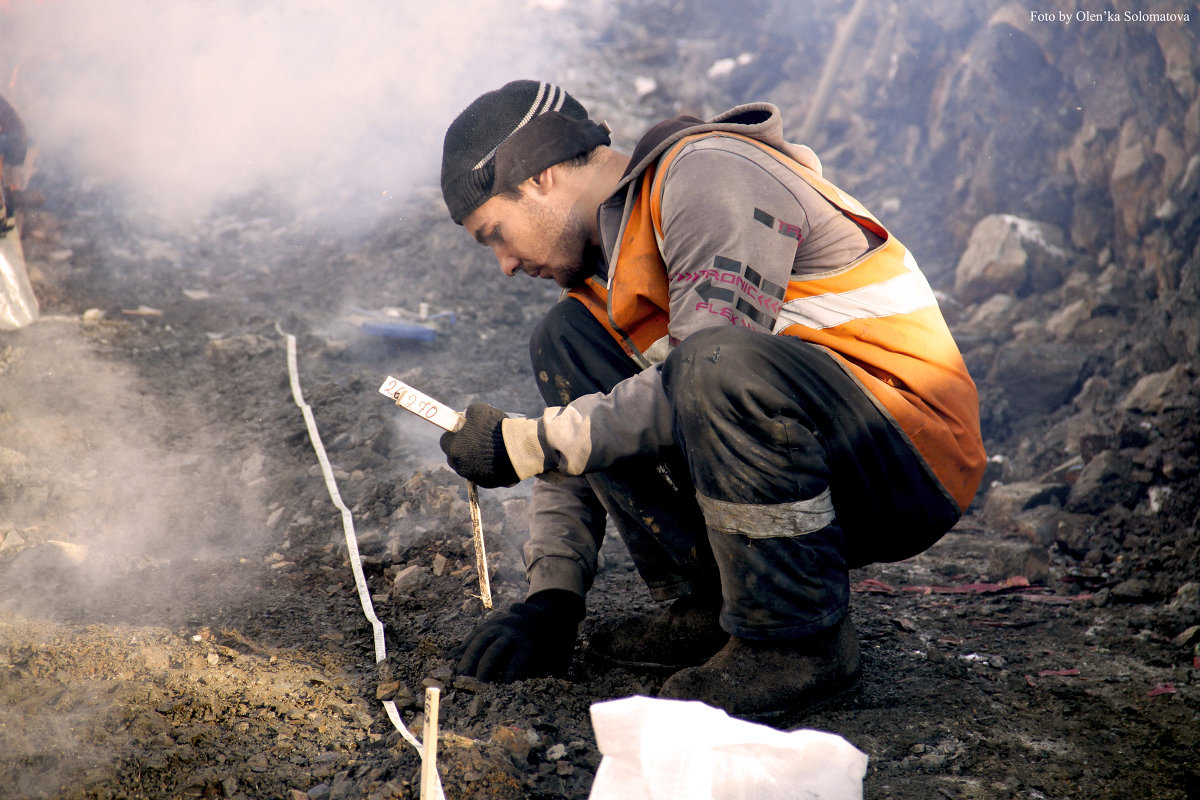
901, 294
877, 315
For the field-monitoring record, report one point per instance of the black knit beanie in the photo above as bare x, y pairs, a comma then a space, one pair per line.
508, 135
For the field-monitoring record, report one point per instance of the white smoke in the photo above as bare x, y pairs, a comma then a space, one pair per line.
183, 103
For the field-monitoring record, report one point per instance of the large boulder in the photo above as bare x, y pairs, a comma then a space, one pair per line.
1005, 502
1106, 481
1007, 254
1160, 391
1035, 377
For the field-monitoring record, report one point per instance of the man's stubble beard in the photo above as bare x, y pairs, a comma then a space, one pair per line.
573, 243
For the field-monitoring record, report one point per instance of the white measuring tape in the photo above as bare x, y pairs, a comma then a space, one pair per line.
429, 777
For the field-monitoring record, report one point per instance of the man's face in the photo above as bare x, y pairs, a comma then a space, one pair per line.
541, 235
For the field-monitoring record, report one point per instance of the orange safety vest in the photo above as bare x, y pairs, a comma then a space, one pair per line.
877, 316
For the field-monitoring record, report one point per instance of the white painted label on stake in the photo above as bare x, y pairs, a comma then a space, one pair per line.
421, 404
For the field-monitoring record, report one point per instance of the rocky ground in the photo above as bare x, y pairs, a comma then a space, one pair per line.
178, 612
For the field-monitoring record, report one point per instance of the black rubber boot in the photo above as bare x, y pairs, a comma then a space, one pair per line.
685, 634
773, 682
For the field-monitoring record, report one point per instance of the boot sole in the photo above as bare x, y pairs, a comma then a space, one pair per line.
838, 693
654, 666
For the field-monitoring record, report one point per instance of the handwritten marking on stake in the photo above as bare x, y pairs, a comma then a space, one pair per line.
429, 775
421, 404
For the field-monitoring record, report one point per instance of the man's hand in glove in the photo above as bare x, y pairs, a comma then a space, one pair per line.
528, 639
476, 450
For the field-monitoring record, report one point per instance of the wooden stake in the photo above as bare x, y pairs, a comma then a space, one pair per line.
448, 419
481, 565
429, 775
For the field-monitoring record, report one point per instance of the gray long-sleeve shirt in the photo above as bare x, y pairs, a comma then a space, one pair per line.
737, 225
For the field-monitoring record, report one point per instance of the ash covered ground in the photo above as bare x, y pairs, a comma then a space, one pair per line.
178, 616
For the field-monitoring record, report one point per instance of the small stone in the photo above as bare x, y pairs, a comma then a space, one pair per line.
342, 789
517, 741
388, 690
405, 697
933, 761
1026, 560
10, 540
1160, 390
1038, 525
1187, 637
1105, 481
469, 684
410, 579
52, 559
1187, 597
234, 348
1134, 590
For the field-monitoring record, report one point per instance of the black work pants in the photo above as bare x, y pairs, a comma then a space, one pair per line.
783, 476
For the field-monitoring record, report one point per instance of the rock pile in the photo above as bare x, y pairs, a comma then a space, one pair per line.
1044, 166
1081, 320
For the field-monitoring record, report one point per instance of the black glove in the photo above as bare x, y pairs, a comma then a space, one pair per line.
528, 639
476, 450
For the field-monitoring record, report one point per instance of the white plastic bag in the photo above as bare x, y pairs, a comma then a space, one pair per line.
18, 305
656, 749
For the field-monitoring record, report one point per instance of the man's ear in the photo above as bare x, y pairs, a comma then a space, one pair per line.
544, 181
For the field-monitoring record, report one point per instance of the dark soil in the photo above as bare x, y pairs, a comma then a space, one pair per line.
180, 616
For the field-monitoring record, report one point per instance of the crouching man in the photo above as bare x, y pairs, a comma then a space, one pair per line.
746, 372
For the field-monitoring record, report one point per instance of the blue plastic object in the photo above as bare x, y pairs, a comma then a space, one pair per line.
399, 330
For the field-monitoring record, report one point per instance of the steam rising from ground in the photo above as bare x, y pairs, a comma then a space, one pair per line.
105, 499
330, 104
174, 108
